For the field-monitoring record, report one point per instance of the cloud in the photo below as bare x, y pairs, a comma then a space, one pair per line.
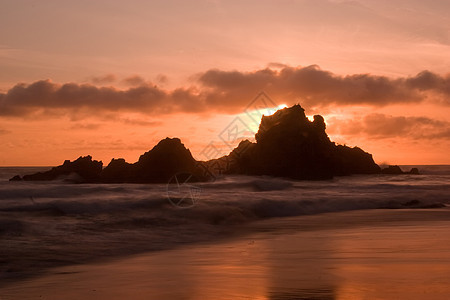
140, 122
105, 79
134, 80
276, 65
313, 86
130, 120
162, 79
226, 92
4, 131
87, 126
380, 126
428, 81
45, 96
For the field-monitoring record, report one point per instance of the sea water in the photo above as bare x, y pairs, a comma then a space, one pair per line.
46, 224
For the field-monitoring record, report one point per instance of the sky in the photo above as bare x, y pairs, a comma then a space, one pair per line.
112, 78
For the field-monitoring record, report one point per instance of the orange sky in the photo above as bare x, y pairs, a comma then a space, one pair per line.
111, 79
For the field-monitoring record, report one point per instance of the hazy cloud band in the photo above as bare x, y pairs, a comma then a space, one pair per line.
381, 126
226, 91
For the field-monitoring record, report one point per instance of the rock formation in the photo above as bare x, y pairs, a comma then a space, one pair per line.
167, 158
287, 144
84, 169
396, 170
117, 171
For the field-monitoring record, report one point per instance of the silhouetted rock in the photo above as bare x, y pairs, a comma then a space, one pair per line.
166, 159
289, 145
117, 171
392, 170
16, 178
414, 171
396, 170
354, 160
240, 160
84, 169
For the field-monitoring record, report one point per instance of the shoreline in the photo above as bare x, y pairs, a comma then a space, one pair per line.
377, 260
273, 227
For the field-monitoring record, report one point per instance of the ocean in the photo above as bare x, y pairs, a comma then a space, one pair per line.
44, 225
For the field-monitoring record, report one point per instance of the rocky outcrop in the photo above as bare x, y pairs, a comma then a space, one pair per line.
16, 178
117, 171
288, 144
166, 159
84, 169
347, 161
396, 170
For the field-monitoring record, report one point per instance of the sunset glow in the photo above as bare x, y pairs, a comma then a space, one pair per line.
223, 149
111, 79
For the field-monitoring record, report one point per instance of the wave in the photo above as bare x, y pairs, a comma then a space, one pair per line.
257, 184
116, 219
429, 169
229, 200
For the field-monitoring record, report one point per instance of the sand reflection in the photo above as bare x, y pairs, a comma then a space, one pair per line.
405, 262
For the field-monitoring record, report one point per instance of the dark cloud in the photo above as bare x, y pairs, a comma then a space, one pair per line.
312, 86
105, 79
140, 122
134, 80
428, 81
4, 131
276, 65
45, 96
381, 126
86, 126
225, 91
161, 78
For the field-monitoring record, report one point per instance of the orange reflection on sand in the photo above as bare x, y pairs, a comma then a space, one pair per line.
382, 262
411, 264
238, 271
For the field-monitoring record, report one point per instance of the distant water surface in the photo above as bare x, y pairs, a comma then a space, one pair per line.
46, 224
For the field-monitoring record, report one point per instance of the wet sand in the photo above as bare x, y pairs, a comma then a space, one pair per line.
405, 256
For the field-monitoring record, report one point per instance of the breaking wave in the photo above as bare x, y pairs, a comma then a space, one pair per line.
231, 199
114, 219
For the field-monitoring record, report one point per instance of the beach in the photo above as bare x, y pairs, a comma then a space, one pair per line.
372, 254
268, 150
240, 237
